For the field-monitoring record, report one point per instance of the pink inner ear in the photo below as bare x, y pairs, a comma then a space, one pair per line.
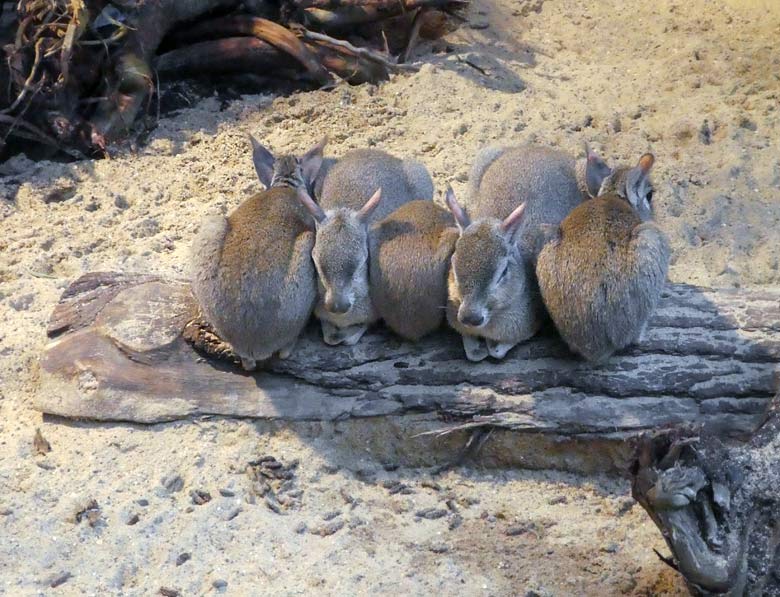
455, 209
512, 220
311, 205
646, 162
371, 204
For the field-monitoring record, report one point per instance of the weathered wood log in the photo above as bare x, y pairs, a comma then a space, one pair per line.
264, 30
118, 353
227, 55
717, 506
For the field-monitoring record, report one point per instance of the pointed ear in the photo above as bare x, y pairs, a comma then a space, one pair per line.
646, 163
314, 209
311, 162
637, 179
461, 219
370, 205
513, 220
596, 170
264, 162
641, 171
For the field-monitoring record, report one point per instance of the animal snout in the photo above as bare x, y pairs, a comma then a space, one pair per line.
337, 304
471, 317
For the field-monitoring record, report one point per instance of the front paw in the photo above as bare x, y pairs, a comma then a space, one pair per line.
498, 350
475, 348
351, 335
248, 364
285, 352
348, 336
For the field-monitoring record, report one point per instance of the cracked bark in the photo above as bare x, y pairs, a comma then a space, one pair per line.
118, 353
717, 505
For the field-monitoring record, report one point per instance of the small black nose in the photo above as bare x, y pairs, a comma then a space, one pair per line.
338, 306
472, 319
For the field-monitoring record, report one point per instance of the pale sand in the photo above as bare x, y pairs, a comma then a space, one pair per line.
654, 70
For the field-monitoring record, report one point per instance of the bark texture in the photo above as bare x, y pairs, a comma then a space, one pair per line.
118, 352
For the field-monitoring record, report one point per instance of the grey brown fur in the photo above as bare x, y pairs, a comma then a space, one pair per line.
252, 271
602, 273
410, 254
485, 305
343, 217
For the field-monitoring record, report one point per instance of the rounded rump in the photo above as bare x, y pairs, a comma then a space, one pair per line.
410, 252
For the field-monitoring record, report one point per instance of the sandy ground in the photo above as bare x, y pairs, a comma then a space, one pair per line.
695, 82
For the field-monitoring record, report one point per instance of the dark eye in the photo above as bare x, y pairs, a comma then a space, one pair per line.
649, 195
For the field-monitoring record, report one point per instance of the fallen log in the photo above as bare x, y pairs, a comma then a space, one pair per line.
118, 352
717, 506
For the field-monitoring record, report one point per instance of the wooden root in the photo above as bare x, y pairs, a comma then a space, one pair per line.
78, 84
272, 33
221, 56
717, 506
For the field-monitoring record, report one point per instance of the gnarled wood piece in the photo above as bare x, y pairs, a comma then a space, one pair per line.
120, 354
717, 506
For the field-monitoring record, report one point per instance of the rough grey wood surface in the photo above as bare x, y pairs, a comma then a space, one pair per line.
117, 353
717, 506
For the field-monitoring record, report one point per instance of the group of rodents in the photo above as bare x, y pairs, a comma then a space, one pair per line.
359, 239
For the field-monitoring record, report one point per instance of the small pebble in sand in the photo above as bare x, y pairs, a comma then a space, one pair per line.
200, 497
705, 133
41, 446
172, 483
219, 584
455, 522
59, 195
515, 530
431, 513
558, 499
348, 499
746, 123
169, 592
23, 302
625, 505
328, 529
60, 579
121, 202
90, 512
132, 520
183, 558
331, 515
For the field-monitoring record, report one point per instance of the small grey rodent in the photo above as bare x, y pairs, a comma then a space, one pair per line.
252, 271
410, 254
494, 297
603, 269
363, 186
